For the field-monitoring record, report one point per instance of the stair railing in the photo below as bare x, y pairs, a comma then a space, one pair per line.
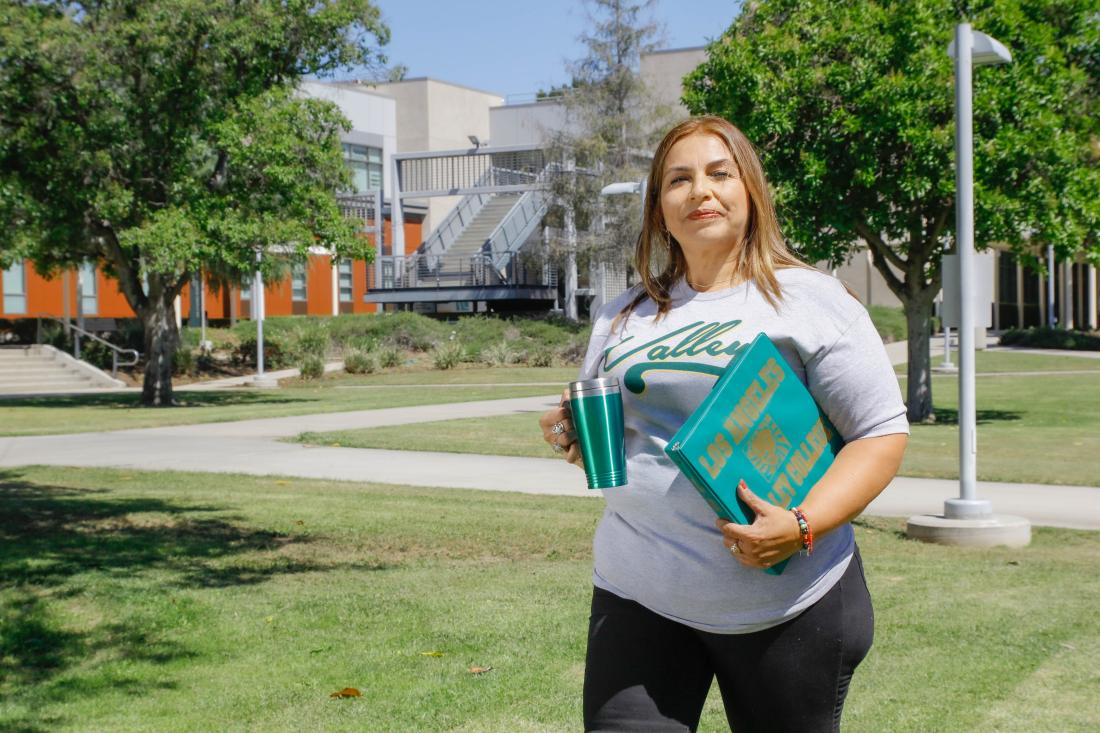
116, 351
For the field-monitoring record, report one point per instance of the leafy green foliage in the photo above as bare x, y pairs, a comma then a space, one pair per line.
389, 357
311, 366
852, 105
615, 125
360, 362
447, 355
156, 138
1052, 338
499, 354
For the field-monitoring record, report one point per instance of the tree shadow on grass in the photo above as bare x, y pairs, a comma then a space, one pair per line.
58, 544
948, 416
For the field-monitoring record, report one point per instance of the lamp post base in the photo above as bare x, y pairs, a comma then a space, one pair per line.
265, 382
990, 531
967, 509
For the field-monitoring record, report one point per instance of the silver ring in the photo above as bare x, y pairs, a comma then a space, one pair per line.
735, 548
557, 448
557, 428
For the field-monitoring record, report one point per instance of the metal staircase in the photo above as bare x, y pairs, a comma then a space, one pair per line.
473, 238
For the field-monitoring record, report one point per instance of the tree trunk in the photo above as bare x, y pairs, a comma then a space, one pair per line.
918, 320
161, 341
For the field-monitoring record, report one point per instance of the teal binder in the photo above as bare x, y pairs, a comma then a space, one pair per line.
759, 423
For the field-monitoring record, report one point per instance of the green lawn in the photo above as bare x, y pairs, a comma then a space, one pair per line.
1043, 429
162, 602
995, 362
337, 393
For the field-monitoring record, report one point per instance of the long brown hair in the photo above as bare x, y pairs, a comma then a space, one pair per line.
760, 254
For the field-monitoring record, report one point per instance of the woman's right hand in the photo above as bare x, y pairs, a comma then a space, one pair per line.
557, 430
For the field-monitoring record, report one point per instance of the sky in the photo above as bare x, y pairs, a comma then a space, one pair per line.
516, 47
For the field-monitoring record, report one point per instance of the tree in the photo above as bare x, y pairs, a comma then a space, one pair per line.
158, 138
612, 121
852, 104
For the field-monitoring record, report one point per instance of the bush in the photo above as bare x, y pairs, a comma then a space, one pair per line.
499, 354
311, 367
313, 342
448, 355
390, 357
183, 361
413, 331
1051, 338
540, 357
360, 362
575, 351
275, 353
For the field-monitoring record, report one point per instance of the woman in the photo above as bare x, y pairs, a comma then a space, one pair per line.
680, 598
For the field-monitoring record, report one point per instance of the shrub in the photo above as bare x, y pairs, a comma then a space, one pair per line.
311, 367
313, 342
360, 362
390, 357
413, 331
275, 353
183, 361
499, 354
540, 357
574, 352
448, 355
1051, 338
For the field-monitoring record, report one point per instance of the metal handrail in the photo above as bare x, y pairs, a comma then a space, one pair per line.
479, 270
116, 351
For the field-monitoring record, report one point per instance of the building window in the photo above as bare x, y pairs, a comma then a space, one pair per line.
246, 288
15, 288
89, 302
344, 270
365, 164
298, 281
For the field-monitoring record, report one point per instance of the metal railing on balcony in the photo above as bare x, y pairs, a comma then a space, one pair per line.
477, 271
450, 173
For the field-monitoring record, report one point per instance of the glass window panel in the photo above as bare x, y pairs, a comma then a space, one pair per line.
359, 179
15, 289
374, 155
89, 303
298, 282
374, 176
344, 270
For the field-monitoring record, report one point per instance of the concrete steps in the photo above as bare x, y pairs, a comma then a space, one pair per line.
40, 369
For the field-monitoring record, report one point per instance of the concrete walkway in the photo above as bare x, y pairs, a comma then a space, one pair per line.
253, 447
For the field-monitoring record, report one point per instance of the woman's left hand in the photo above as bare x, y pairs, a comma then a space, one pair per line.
772, 537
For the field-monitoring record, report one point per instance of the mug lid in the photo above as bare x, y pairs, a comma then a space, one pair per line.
593, 385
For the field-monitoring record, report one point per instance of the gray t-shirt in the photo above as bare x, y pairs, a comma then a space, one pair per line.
657, 543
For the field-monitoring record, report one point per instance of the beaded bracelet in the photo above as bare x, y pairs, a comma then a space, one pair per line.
804, 530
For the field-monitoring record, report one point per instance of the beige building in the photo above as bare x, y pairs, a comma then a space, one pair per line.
664, 71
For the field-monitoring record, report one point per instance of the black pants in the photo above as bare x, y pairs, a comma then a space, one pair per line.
647, 673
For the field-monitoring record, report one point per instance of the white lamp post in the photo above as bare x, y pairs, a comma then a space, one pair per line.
970, 48
968, 520
261, 380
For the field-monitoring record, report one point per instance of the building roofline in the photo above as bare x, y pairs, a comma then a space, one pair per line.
674, 50
380, 84
350, 86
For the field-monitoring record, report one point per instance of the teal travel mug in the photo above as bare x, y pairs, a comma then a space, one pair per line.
597, 407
